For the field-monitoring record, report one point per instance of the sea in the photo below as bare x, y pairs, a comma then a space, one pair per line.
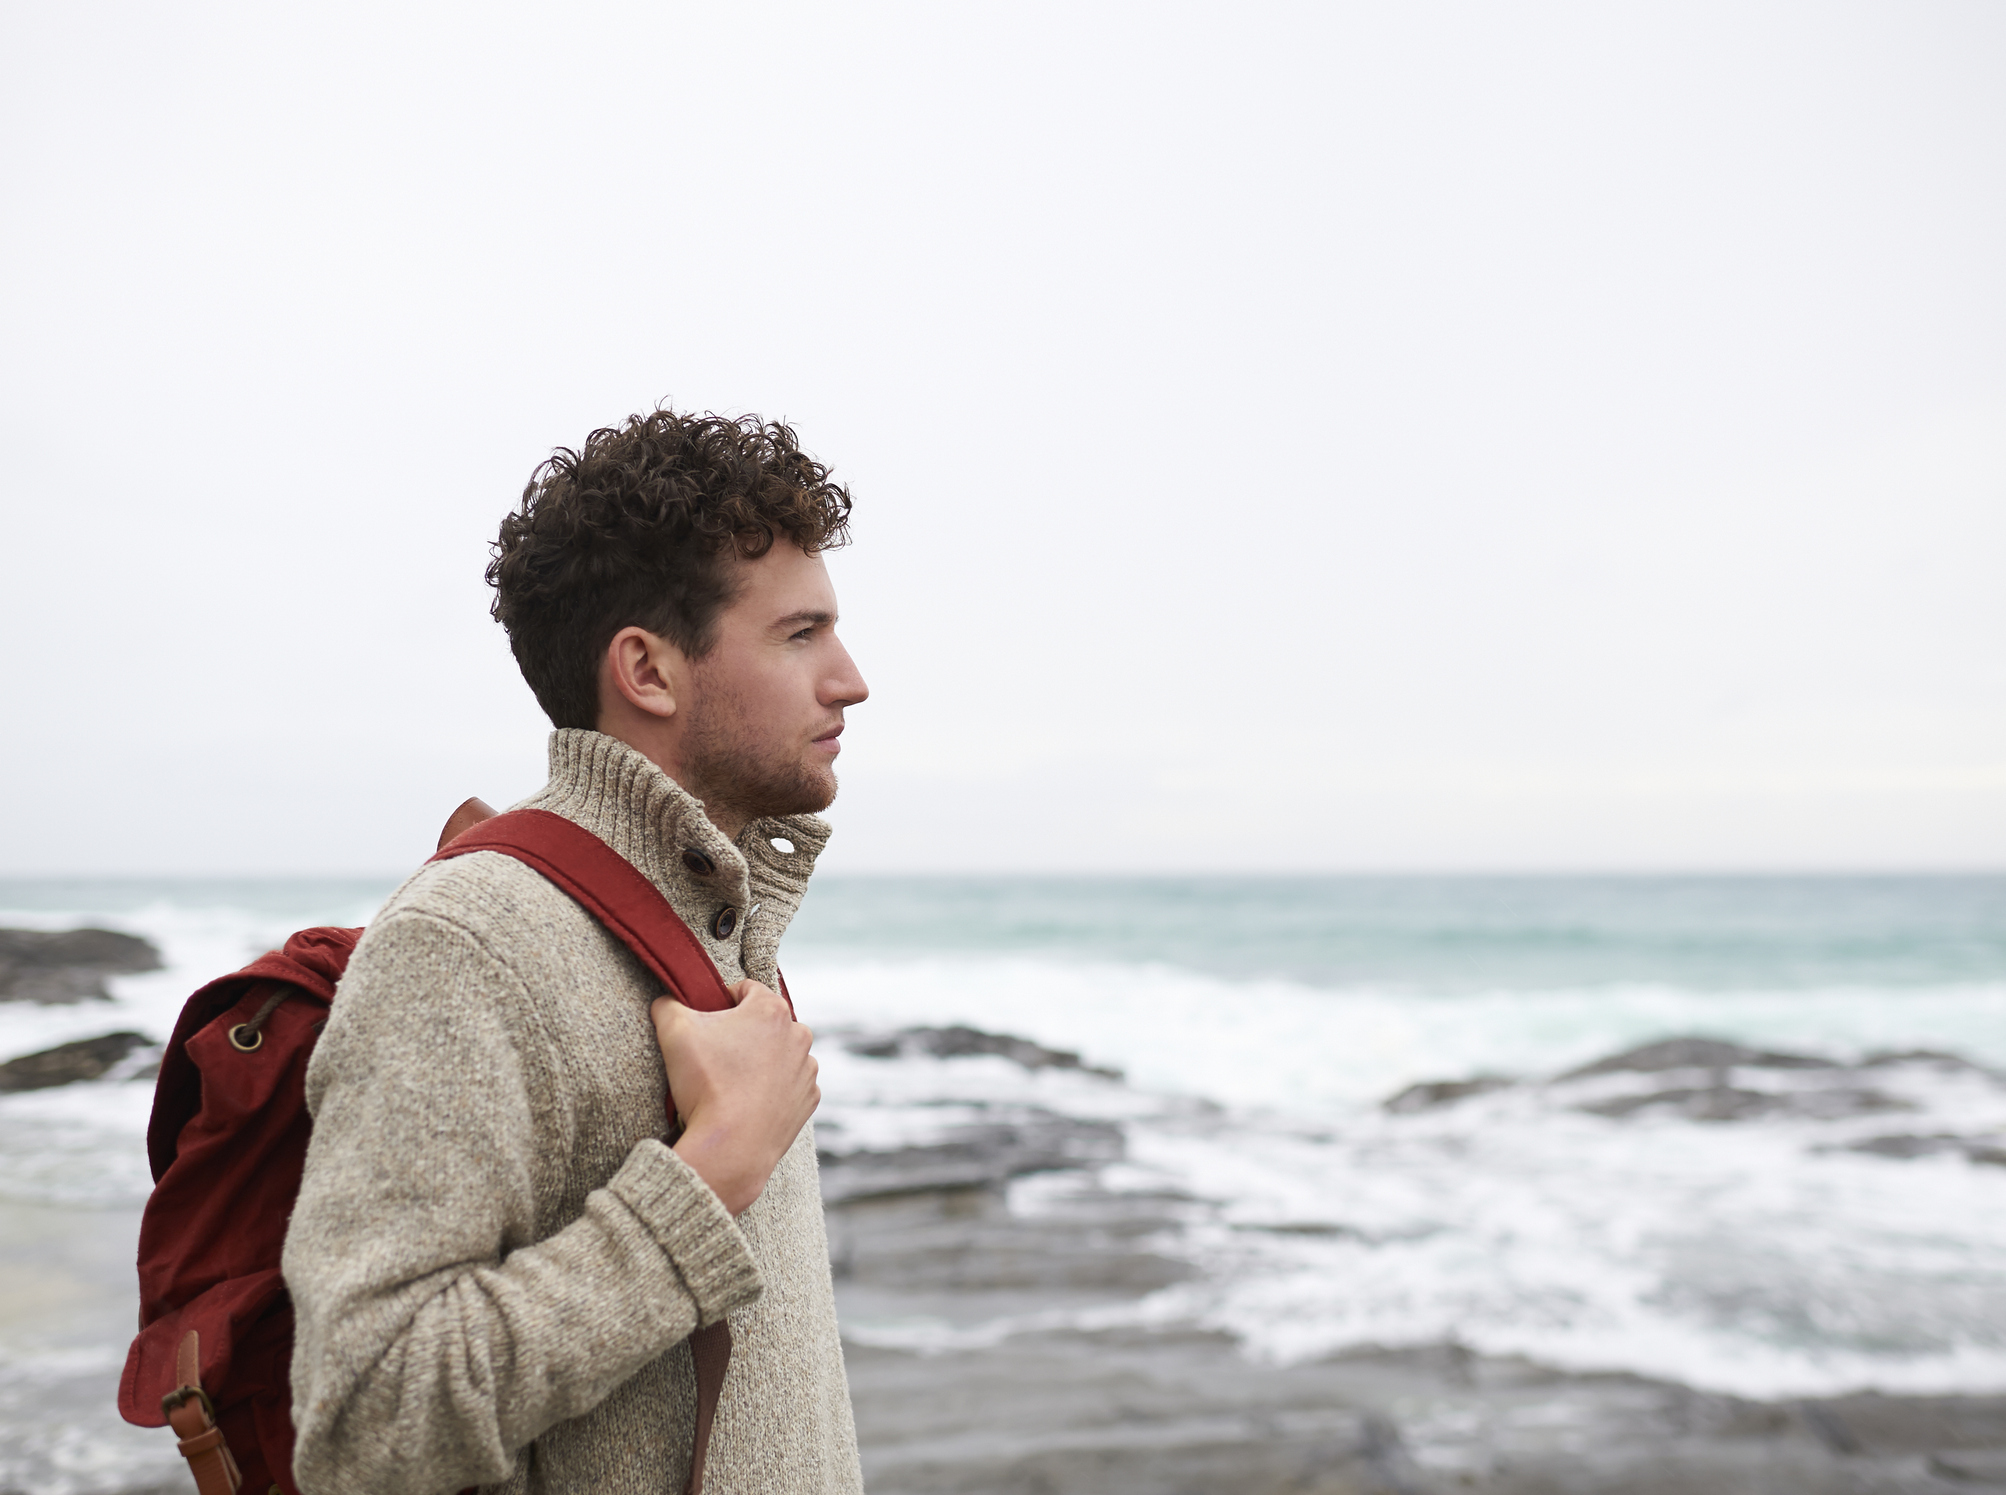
1247, 1036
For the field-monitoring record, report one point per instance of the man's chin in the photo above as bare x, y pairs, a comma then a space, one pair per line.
810, 792
820, 793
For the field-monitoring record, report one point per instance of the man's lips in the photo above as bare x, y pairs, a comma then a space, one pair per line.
827, 741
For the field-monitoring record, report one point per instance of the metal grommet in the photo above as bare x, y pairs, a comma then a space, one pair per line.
725, 922
246, 1039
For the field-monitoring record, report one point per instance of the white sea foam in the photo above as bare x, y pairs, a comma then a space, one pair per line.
1274, 1044
1749, 1257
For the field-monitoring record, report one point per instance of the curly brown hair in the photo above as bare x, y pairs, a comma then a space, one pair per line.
643, 526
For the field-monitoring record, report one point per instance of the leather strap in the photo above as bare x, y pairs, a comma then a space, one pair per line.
610, 888
710, 1350
192, 1417
632, 909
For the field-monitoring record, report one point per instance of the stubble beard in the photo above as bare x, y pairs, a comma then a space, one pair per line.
738, 776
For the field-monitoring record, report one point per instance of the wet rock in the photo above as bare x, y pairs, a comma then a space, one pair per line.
1977, 1149
966, 1378
68, 965
1871, 1423
919, 1245
1429, 1094
1179, 1410
86, 1059
1728, 1103
1695, 1053
960, 1042
1934, 1058
1116, 1413
1978, 1466
986, 1153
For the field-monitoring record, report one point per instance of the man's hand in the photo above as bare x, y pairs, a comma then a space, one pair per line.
744, 1083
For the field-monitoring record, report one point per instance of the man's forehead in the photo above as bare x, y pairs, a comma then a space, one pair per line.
785, 583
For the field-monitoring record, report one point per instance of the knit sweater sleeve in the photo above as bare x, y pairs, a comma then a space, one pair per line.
436, 1336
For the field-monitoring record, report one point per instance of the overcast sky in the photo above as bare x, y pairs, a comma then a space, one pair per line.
1394, 436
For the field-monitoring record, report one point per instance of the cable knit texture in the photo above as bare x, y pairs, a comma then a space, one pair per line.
496, 1260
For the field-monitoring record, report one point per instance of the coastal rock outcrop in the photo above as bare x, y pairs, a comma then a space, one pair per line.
69, 965
66, 1063
963, 1043
1694, 1053
1428, 1094
1712, 1080
981, 1361
1990, 1150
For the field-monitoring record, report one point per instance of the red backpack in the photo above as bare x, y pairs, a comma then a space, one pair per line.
228, 1139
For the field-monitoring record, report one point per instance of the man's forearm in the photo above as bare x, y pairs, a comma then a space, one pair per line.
435, 1382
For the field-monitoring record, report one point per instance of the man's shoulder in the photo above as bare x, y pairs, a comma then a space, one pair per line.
488, 899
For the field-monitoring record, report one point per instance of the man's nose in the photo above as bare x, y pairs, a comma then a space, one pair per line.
844, 685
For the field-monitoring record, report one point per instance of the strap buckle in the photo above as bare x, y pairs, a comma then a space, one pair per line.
176, 1399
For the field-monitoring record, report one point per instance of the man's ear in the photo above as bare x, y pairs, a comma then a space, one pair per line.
642, 671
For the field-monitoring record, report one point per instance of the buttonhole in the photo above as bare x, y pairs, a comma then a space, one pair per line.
782, 844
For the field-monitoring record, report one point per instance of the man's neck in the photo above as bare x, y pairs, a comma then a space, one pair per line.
659, 748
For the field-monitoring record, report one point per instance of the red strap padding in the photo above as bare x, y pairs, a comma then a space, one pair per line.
611, 890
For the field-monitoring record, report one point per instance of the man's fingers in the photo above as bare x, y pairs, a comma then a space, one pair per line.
746, 990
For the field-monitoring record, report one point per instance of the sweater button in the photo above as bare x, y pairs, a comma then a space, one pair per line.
698, 863
725, 922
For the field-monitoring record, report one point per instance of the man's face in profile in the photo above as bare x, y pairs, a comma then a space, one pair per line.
769, 696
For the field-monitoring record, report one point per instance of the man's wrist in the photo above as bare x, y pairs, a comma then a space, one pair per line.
706, 1151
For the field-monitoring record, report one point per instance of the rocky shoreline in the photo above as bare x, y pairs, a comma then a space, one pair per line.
1174, 1409
69, 965
988, 1276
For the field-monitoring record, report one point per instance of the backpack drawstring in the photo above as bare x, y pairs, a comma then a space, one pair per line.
248, 1037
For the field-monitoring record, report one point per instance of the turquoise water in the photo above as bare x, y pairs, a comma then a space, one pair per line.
1438, 935
1447, 934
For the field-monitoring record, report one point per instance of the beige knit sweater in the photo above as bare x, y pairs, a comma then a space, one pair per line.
495, 1260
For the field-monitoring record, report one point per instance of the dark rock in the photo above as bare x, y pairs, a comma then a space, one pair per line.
960, 1042
982, 1154
67, 965
1727, 1103
1978, 1466
86, 1059
1315, 1229
1179, 1410
1877, 1424
967, 1241
1695, 1053
1429, 1094
1977, 1149
1934, 1058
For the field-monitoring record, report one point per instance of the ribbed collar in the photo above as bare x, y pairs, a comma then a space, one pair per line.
616, 793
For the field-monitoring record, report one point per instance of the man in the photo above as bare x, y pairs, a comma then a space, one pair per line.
496, 1259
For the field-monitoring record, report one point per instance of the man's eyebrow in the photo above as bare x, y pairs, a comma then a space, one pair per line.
809, 615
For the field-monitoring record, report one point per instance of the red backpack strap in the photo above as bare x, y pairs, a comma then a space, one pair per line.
611, 890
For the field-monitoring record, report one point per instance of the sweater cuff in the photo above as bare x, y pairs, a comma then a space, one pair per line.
691, 1225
